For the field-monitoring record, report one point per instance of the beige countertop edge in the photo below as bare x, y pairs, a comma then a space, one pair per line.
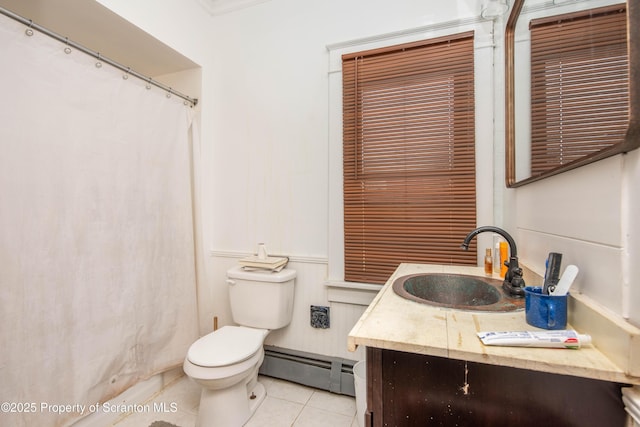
452, 334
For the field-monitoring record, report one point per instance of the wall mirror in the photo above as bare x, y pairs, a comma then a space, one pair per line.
564, 110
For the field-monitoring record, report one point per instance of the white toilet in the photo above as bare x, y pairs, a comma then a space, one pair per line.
226, 362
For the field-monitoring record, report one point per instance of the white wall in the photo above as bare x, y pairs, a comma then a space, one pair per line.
271, 114
590, 216
266, 172
631, 236
273, 120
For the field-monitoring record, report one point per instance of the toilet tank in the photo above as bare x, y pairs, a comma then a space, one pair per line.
261, 299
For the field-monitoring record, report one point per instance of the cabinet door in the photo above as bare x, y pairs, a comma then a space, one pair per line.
406, 389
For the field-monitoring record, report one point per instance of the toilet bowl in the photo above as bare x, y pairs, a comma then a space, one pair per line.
225, 364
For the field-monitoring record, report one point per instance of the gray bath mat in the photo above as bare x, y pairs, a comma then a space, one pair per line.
161, 424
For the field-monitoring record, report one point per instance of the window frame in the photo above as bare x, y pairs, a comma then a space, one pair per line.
416, 97
489, 182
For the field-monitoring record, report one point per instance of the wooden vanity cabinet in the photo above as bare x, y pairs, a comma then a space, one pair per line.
407, 389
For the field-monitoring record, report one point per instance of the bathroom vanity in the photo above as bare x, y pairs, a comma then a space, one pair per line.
426, 365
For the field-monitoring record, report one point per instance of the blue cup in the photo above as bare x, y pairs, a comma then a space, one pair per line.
545, 311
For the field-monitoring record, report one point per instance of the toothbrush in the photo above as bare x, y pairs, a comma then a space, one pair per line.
565, 281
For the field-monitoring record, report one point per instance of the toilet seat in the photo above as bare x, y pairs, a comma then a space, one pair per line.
226, 346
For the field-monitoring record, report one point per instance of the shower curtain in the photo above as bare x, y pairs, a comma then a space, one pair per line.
97, 274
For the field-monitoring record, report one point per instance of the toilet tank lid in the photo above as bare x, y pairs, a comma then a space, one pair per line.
226, 346
283, 275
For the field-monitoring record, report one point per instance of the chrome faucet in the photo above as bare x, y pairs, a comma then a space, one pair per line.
513, 282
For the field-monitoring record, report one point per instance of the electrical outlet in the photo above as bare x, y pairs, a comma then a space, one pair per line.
320, 317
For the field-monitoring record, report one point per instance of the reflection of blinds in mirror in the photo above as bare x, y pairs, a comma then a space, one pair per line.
579, 85
409, 156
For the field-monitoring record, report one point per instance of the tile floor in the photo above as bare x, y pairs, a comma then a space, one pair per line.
286, 405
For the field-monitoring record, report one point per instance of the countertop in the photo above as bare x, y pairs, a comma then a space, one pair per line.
394, 323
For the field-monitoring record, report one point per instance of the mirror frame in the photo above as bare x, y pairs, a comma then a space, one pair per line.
632, 138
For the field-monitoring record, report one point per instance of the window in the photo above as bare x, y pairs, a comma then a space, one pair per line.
579, 85
409, 156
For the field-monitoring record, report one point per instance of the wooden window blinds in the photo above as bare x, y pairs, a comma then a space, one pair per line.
409, 156
579, 85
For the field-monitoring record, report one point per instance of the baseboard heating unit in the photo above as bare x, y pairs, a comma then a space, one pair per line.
333, 374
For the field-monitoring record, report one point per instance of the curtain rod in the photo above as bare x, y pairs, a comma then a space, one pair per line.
33, 26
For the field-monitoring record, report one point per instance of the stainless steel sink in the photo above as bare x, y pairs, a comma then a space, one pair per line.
457, 291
